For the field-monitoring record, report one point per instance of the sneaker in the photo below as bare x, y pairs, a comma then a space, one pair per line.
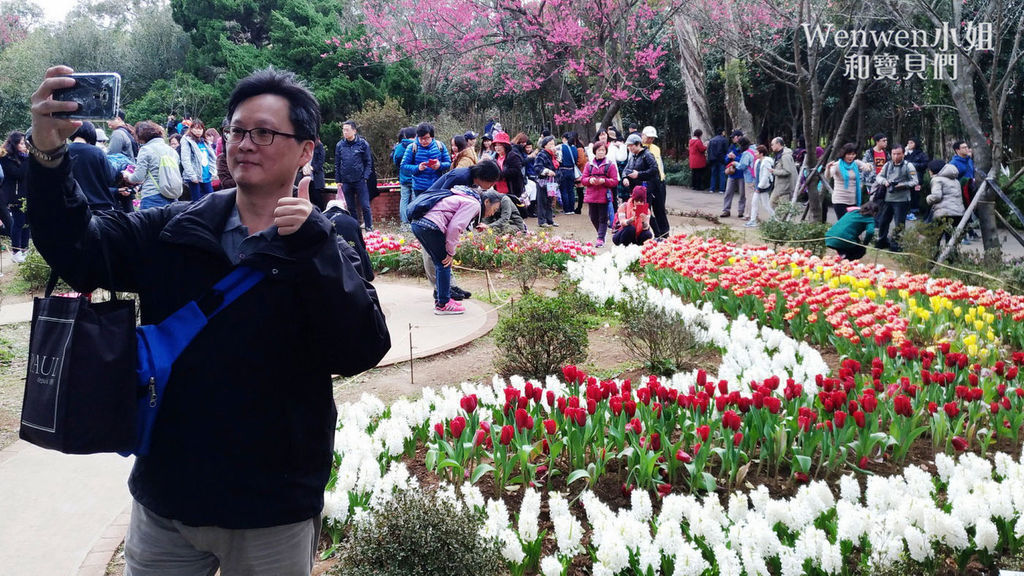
450, 309
750, 224
18, 257
723, 215
465, 293
459, 294
545, 225
553, 224
600, 243
911, 217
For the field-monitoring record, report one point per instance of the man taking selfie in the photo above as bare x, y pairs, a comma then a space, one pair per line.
243, 443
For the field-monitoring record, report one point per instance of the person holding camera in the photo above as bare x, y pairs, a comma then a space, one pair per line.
899, 178
242, 449
641, 169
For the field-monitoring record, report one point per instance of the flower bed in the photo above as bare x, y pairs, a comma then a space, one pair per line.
482, 250
773, 410
487, 250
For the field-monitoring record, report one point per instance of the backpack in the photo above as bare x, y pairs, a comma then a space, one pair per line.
396, 158
168, 181
132, 140
426, 200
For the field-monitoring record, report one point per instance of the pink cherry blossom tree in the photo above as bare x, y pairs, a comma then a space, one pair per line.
585, 59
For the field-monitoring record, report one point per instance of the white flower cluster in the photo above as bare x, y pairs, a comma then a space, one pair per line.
900, 515
751, 353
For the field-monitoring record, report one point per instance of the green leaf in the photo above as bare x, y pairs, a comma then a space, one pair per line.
479, 471
431, 459
576, 475
448, 463
803, 462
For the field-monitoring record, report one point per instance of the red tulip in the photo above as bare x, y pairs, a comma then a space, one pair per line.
952, 409
802, 478
522, 419
549, 426
863, 462
635, 425
703, 432
737, 438
468, 403
683, 456
901, 405
457, 425
959, 443
731, 420
840, 418
773, 404
615, 403
655, 443
439, 429
479, 437
506, 435
859, 418
664, 490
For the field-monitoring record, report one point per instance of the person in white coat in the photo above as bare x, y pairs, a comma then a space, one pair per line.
764, 181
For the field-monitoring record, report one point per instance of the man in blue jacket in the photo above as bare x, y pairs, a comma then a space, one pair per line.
405, 137
425, 159
717, 148
736, 182
353, 162
243, 446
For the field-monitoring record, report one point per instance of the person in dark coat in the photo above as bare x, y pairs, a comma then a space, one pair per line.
95, 175
318, 189
349, 231
242, 448
353, 163
482, 175
916, 155
14, 163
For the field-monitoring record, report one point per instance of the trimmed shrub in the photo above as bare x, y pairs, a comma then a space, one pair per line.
539, 336
420, 535
660, 340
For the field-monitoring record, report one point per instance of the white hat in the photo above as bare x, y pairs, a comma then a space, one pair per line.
649, 132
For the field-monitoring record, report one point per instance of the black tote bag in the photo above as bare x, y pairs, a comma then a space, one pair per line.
81, 388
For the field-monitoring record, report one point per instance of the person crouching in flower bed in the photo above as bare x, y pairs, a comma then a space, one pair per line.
844, 236
501, 214
438, 232
633, 221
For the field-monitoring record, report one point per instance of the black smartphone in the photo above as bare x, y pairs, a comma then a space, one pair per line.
98, 96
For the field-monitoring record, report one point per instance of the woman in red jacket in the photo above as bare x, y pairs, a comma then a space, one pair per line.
698, 161
600, 178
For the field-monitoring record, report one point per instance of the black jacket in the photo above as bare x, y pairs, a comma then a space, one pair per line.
245, 434
349, 231
319, 157
457, 177
14, 183
352, 160
717, 149
645, 164
919, 158
95, 176
512, 173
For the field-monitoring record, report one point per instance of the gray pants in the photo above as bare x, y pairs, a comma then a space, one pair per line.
735, 186
156, 546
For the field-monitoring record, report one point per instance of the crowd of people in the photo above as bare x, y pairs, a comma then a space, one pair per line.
619, 178
873, 193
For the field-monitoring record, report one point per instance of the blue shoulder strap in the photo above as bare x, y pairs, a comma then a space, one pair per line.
238, 282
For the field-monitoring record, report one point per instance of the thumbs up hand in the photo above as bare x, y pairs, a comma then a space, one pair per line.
291, 212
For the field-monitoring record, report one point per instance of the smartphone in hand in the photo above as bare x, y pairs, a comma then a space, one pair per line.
98, 96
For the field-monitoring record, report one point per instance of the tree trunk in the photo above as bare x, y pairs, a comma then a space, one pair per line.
734, 102
691, 67
609, 114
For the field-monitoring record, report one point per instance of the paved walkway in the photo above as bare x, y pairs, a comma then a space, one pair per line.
66, 515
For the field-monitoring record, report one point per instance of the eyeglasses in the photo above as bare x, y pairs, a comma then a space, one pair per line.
258, 136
